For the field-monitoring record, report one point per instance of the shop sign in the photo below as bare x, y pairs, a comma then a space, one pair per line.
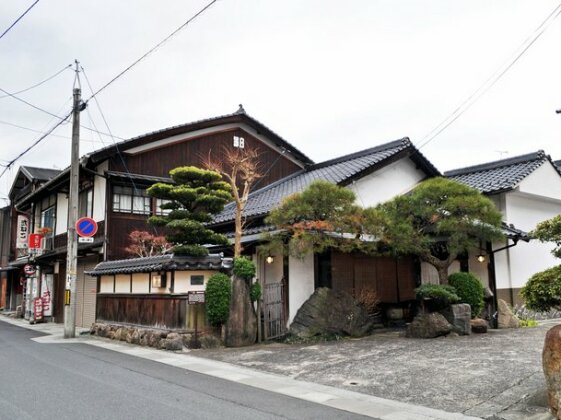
22, 231
37, 309
194, 298
46, 294
35, 240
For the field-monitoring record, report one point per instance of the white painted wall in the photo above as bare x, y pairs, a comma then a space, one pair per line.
61, 214
301, 283
537, 198
122, 283
99, 190
182, 283
387, 183
140, 282
106, 284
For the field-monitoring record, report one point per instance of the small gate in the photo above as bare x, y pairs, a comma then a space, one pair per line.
274, 316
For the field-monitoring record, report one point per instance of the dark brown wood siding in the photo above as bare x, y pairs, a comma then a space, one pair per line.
159, 161
393, 279
119, 228
148, 310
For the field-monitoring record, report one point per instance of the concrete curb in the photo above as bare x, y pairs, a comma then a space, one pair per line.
350, 401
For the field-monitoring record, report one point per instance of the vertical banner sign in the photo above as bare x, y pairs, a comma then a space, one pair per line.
47, 294
22, 232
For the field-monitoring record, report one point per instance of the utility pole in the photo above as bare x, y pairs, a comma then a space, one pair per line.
72, 244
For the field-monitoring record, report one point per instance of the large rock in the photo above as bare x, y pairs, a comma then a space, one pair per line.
429, 325
459, 315
506, 318
551, 360
479, 326
330, 312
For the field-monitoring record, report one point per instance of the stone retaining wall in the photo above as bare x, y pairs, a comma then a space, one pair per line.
159, 339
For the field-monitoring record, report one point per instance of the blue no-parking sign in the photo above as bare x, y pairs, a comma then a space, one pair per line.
86, 227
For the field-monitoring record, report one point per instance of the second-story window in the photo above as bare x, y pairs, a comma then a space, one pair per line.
130, 200
47, 222
159, 210
85, 205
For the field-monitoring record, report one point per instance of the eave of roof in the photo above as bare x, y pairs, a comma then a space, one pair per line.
340, 171
239, 116
502, 175
166, 262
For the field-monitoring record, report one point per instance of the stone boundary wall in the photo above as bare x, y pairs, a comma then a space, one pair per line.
159, 339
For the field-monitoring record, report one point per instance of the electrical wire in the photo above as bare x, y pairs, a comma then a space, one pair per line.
492, 80
38, 84
18, 19
35, 143
135, 188
54, 115
151, 50
34, 130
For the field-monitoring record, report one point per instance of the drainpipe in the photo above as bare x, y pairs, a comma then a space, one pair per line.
493, 275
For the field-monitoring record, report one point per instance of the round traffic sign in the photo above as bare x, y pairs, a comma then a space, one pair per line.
86, 226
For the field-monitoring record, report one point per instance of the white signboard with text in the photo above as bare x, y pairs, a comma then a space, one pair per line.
22, 232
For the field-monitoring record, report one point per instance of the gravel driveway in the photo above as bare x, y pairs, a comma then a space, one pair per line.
495, 375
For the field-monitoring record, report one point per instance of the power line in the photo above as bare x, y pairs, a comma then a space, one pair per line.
54, 115
38, 84
492, 80
151, 50
35, 143
34, 130
18, 19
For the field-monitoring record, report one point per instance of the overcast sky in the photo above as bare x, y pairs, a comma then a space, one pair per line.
330, 77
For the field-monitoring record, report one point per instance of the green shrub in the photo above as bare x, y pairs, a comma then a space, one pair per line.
217, 299
543, 291
469, 289
528, 323
440, 295
244, 268
255, 292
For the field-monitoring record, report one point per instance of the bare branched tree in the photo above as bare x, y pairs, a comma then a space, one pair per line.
239, 167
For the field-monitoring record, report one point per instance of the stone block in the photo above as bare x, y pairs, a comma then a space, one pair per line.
459, 316
428, 326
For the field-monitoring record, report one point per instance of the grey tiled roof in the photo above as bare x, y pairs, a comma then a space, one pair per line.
41, 174
501, 175
338, 171
557, 163
162, 262
512, 233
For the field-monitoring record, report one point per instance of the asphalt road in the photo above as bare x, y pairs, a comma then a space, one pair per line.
77, 381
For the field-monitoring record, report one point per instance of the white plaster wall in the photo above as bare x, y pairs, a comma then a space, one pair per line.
140, 282
273, 272
106, 284
515, 265
544, 181
61, 214
182, 283
387, 183
122, 283
301, 283
99, 190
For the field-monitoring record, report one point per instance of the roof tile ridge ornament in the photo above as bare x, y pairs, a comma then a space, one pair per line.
240, 110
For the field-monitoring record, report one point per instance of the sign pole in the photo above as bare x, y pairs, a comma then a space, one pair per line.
72, 244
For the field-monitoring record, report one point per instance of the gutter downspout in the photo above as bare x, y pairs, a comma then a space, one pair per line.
493, 275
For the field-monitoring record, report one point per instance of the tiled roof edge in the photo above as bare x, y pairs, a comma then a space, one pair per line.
540, 154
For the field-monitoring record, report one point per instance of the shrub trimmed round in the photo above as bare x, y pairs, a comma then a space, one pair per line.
217, 299
542, 292
244, 268
469, 289
441, 295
